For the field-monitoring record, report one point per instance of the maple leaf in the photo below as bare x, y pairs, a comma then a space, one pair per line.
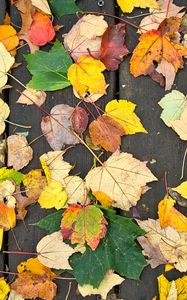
113, 48
5, 289
108, 282
50, 223
79, 119
59, 9
4, 114
34, 266
171, 244
53, 252
106, 132
58, 127
125, 258
42, 5
41, 31
10, 174
49, 69
83, 225
128, 6
172, 290
86, 75
8, 36
116, 179
169, 216
34, 183
85, 34
76, 189
30, 96
156, 45
19, 152
6, 62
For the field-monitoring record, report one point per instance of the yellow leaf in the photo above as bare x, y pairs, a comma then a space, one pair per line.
164, 287
128, 5
34, 183
4, 289
8, 36
168, 267
6, 62
53, 196
1, 238
7, 217
123, 112
174, 290
4, 113
169, 216
181, 189
86, 76
34, 266
181, 285
42, 5
103, 198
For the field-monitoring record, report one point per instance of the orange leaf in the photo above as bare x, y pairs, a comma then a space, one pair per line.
34, 266
169, 216
7, 217
8, 36
41, 31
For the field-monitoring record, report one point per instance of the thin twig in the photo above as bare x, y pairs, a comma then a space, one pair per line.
183, 164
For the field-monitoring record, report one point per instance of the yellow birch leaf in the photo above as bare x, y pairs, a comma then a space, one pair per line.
86, 75
53, 196
123, 112
163, 287
4, 288
181, 189
6, 62
34, 266
128, 5
181, 285
174, 290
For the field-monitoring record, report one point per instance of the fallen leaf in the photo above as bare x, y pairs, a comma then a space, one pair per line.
4, 114
169, 216
7, 189
10, 174
54, 166
86, 76
25, 8
53, 252
171, 243
180, 125
15, 296
34, 266
53, 195
19, 152
128, 6
76, 190
49, 69
117, 177
6, 62
41, 31
1, 238
104, 199
58, 127
83, 225
7, 217
122, 111
34, 183
79, 119
89, 97
181, 189
113, 48
109, 281
21, 203
168, 71
42, 5
172, 290
50, 223
8, 36
59, 9
5, 288
92, 26
30, 96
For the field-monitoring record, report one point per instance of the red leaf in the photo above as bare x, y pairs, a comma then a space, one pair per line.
41, 31
79, 120
113, 48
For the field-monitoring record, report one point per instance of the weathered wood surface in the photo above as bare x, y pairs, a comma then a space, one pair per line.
161, 144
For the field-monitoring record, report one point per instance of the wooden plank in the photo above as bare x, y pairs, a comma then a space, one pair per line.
160, 144
31, 116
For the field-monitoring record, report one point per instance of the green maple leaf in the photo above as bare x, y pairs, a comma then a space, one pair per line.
50, 223
117, 251
49, 69
63, 7
7, 174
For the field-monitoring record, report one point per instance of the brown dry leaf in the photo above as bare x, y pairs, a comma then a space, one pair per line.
21, 203
19, 153
122, 177
30, 96
79, 39
106, 132
34, 183
168, 71
53, 252
171, 244
25, 8
58, 127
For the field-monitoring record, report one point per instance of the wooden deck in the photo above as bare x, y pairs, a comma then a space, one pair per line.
161, 144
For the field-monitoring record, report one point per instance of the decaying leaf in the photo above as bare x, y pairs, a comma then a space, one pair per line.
170, 243
6, 62
128, 6
79, 39
83, 225
53, 252
172, 290
30, 96
79, 119
86, 75
169, 216
168, 71
26, 10
58, 127
113, 48
109, 281
19, 153
4, 114
21, 203
8, 36
34, 183
122, 177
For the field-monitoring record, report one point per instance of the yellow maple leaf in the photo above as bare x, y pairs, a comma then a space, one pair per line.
4, 289
128, 5
8, 36
172, 290
86, 75
53, 196
123, 112
34, 266
169, 216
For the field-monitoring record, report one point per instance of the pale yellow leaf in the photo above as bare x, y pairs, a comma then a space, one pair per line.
4, 113
92, 26
180, 126
6, 62
15, 296
75, 189
42, 5
30, 96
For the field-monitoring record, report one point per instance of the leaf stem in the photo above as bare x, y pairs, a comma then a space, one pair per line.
21, 253
18, 125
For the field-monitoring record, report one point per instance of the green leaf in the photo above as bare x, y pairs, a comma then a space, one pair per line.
49, 69
63, 7
7, 174
51, 223
117, 251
